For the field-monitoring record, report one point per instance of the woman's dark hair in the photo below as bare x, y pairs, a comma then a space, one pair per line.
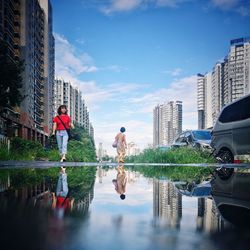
122, 129
59, 110
122, 196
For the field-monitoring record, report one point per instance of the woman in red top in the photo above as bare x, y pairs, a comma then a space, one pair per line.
61, 122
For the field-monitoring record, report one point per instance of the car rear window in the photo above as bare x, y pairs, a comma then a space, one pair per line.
237, 111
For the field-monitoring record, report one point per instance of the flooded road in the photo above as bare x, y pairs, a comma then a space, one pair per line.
163, 208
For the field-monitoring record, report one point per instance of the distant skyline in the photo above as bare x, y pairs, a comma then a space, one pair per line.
127, 56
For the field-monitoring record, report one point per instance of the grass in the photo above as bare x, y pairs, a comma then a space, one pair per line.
180, 155
28, 150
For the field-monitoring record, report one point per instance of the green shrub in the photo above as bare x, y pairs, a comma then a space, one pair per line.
180, 155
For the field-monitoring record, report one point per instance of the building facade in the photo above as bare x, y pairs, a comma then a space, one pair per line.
49, 63
167, 123
10, 26
67, 94
229, 81
208, 100
27, 29
201, 100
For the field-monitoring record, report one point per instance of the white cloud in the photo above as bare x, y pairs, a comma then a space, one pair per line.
244, 10
80, 41
225, 4
174, 72
122, 104
240, 6
117, 6
67, 59
114, 68
137, 113
129, 5
170, 3
121, 5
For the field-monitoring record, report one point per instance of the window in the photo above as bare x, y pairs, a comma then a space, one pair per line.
189, 137
202, 135
236, 111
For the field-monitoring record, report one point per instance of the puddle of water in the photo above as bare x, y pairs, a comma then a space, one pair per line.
163, 208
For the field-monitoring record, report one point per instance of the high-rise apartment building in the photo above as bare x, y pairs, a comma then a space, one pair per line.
208, 100
230, 80
239, 68
201, 100
26, 26
91, 130
32, 51
10, 26
67, 94
204, 100
216, 90
49, 63
167, 122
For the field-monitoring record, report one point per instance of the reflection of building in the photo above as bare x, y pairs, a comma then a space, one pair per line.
100, 152
39, 194
208, 218
4, 183
83, 204
167, 203
132, 176
100, 173
167, 122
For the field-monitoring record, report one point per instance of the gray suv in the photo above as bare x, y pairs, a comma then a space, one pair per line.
199, 139
231, 133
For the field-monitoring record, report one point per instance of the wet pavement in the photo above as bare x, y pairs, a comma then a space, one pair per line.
164, 208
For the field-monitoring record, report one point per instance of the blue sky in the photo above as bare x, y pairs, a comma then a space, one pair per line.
129, 55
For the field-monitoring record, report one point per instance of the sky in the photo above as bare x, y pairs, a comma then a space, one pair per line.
127, 56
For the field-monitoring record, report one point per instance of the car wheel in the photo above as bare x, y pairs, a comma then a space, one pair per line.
225, 156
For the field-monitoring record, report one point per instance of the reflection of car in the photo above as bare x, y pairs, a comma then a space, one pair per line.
200, 139
231, 196
231, 133
197, 190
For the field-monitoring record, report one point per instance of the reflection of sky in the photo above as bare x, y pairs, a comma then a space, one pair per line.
129, 224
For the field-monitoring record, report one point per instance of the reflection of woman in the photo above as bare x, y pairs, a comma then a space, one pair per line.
60, 123
121, 145
120, 182
61, 200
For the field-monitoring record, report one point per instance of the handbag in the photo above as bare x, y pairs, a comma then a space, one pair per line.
114, 145
67, 129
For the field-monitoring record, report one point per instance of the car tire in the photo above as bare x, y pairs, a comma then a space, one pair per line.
225, 156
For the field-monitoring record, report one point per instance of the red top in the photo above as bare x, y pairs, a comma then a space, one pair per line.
63, 202
66, 120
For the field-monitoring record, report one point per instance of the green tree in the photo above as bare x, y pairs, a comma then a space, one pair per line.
10, 79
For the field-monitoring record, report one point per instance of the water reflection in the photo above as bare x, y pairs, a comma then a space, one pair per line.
167, 203
156, 214
120, 182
